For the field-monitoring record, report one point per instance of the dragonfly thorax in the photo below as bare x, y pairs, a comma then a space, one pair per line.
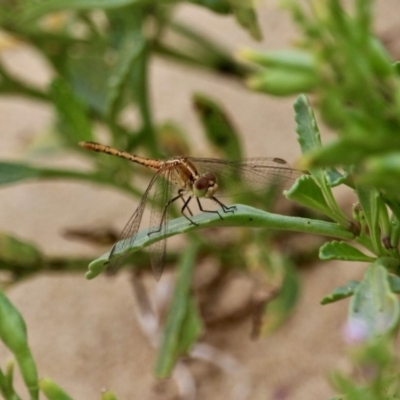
186, 176
205, 185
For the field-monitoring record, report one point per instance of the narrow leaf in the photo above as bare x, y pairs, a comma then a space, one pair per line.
35, 9
108, 396
308, 133
218, 127
13, 335
15, 252
279, 309
130, 51
368, 199
282, 82
52, 391
88, 77
6, 382
218, 6
297, 60
72, 112
192, 328
177, 316
244, 216
15, 172
306, 128
340, 293
246, 16
342, 251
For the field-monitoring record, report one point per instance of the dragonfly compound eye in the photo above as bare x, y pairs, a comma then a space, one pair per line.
206, 185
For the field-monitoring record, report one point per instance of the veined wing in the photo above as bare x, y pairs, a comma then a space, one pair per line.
128, 235
247, 175
159, 220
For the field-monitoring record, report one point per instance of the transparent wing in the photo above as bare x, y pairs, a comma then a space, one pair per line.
129, 233
159, 221
247, 175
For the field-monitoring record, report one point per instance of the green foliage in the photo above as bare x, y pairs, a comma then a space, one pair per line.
107, 395
244, 216
374, 307
218, 128
342, 251
52, 391
183, 326
374, 373
340, 292
13, 335
101, 70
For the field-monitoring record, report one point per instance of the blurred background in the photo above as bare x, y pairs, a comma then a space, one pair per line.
91, 335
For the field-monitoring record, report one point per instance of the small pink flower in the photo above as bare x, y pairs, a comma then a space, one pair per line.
355, 331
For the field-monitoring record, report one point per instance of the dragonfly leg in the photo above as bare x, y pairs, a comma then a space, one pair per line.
226, 209
169, 202
186, 207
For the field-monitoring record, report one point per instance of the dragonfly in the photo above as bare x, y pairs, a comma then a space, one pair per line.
189, 179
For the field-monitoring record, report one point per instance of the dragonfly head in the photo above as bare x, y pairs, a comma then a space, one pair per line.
205, 185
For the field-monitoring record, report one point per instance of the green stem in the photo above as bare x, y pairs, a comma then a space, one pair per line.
6, 390
243, 216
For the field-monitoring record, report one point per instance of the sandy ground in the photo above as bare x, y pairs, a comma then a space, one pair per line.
85, 334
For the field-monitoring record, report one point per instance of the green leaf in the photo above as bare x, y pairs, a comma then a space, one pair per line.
72, 112
307, 193
287, 59
88, 75
244, 216
348, 386
310, 141
369, 199
308, 134
218, 6
282, 82
108, 396
15, 172
340, 293
374, 308
342, 251
381, 172
13, 335
394, 282
351, 150
6, 382
246, 16
192, 328
335, 178
339, 152
279, 309
130, 51
219, 129
175, 330
306, 126
52, 391
17, 252
35, 9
